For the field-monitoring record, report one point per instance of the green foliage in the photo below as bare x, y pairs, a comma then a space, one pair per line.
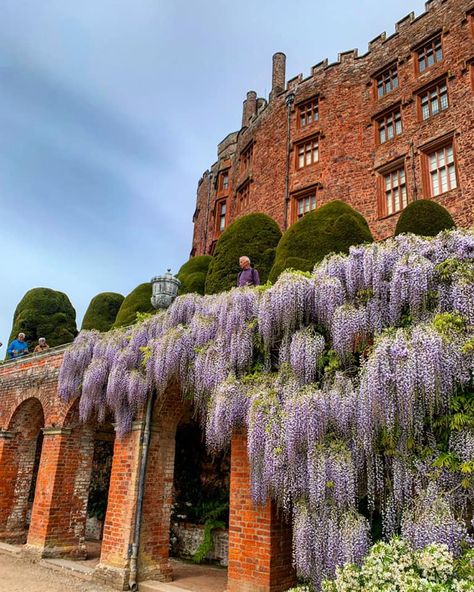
43, 312
102, 311
138, 301
333, 228
255, 236
448, 323
192, 274
211, 523
425, 218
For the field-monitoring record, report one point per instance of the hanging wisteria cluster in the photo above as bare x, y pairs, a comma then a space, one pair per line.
346, 380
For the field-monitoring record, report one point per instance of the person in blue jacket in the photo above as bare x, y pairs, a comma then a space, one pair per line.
18, 347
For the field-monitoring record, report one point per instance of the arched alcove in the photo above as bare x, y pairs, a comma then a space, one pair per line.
21, 454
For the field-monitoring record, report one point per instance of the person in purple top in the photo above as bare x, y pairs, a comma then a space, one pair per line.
248, 276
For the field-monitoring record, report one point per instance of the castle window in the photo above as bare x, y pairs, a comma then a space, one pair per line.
243, 198
389, 126
246, 158
224, 181
434, 100
392, 190
307, 153
305, 204
441, 168
387, 81
221, 215
308, 112
429, 54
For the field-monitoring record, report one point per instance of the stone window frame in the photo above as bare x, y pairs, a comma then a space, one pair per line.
222, 188
246, 157
383, 118
427, 47
381, 76
221, 218
311, 191
426, 90
313, 140
395, 166
306, 108
243, 196
433, 147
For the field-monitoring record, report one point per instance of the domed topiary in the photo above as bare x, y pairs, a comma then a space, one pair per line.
192, 274
102, 311
255, 236
139, 300
333, 228
43, 312
425, 218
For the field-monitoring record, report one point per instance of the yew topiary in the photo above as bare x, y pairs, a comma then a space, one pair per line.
333, 228
43, 312
425, 218
192, 274
139, 300
102, 311
255, 236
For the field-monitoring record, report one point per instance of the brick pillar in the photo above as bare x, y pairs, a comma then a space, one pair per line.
59, 512
155, 533
8, 473
260, 556
17, 464
114, 566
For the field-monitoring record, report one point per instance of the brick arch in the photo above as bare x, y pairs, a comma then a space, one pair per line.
20, 448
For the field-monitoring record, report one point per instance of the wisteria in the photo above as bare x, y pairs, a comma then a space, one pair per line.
348, 381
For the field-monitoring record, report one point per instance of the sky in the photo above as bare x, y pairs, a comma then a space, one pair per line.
111, 110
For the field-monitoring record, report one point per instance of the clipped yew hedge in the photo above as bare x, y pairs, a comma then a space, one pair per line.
425, 218
333, 228
256, 236
102, 311
43, 312
192, 274
139, 300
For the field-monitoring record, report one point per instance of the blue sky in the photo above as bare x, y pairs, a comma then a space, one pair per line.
110, 111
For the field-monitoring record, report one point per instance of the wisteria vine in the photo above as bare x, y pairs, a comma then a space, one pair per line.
354, 384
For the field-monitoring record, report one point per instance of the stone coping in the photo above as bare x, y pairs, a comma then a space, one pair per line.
38, 356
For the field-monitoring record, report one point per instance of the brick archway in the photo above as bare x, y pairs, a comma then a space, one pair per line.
20, 446
58, 518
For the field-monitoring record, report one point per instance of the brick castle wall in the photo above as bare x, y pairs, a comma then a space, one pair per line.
352, 162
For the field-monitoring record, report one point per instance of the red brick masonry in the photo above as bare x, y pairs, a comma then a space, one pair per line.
256, 162
37, 429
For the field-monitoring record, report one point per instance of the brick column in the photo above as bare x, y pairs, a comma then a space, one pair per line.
59, 512
8, 472
114, 566
155, 533
260, 556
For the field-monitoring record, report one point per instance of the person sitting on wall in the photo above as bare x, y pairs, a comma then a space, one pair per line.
249, 275
42, 346
18, 347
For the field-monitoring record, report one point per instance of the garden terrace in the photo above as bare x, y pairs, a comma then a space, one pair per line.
345, 395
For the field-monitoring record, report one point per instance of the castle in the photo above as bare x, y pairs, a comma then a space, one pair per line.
376, 131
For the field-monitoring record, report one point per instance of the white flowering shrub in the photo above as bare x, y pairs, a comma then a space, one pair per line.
396, 567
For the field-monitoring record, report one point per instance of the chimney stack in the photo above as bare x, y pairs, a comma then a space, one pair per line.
278, 73
249, 107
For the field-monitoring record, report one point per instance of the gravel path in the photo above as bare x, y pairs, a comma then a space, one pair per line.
22, 575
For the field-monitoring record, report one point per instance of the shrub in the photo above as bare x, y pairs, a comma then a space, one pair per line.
102, 311
396, 566
425, 218
332, 228
192, 274
256, 236
43, 312
139, 300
